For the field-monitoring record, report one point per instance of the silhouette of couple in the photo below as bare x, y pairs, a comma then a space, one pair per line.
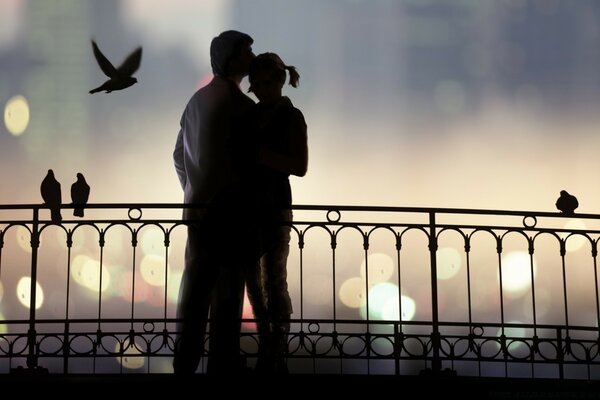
233, 158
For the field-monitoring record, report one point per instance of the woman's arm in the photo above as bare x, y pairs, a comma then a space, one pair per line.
296, 161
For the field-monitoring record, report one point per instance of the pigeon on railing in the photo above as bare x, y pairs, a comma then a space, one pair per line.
567, 203
50, 189
80, 193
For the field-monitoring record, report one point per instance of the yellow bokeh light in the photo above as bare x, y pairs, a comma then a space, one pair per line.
16, 115
152, 268
353, 292
516, 271
3, 327
23, 238
86, 272
91, 275
448, 263
381, 268
24, 292
153, 241
77, 266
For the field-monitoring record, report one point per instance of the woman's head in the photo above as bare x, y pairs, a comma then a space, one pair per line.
267, 76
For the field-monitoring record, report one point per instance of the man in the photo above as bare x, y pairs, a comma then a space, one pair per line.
220, 245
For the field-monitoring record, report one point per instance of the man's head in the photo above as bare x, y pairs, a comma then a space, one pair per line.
231, 54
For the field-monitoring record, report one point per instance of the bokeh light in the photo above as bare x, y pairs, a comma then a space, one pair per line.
516, 272
448, 263
353, 292
152, 268
77, 266
130, 358
24, 238
391, 308
86, 272
153, 241
24, 292
384, 304
514, 332
381, 268
575, 241
16, 115
3, 327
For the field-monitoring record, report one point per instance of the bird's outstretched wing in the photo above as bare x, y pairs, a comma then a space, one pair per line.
105, 65
131, 63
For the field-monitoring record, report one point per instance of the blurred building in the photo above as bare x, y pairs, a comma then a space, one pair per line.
435, 57
57, 35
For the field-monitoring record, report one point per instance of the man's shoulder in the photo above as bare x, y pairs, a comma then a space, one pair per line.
211, 92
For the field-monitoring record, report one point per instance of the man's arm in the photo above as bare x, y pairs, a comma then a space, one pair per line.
178, 159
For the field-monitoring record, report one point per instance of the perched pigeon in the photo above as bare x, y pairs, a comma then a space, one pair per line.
50, 189
120, 78
567, 203
80, 192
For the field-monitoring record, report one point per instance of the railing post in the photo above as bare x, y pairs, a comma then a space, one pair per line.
32, 360
436, 364
560, 354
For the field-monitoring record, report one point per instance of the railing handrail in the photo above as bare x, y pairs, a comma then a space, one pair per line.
322, 207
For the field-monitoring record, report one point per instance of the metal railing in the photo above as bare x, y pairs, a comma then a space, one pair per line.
376, 290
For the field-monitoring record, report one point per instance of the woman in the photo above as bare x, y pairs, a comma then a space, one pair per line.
282, 135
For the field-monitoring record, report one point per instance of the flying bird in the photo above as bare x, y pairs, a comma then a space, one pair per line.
50, 189
120, 78
80, 192
567, 203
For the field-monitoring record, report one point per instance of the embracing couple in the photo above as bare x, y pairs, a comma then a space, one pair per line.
233, 158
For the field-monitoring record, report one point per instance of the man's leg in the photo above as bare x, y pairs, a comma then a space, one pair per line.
225, 326
192, 308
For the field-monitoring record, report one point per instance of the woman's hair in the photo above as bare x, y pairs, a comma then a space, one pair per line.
272, 64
